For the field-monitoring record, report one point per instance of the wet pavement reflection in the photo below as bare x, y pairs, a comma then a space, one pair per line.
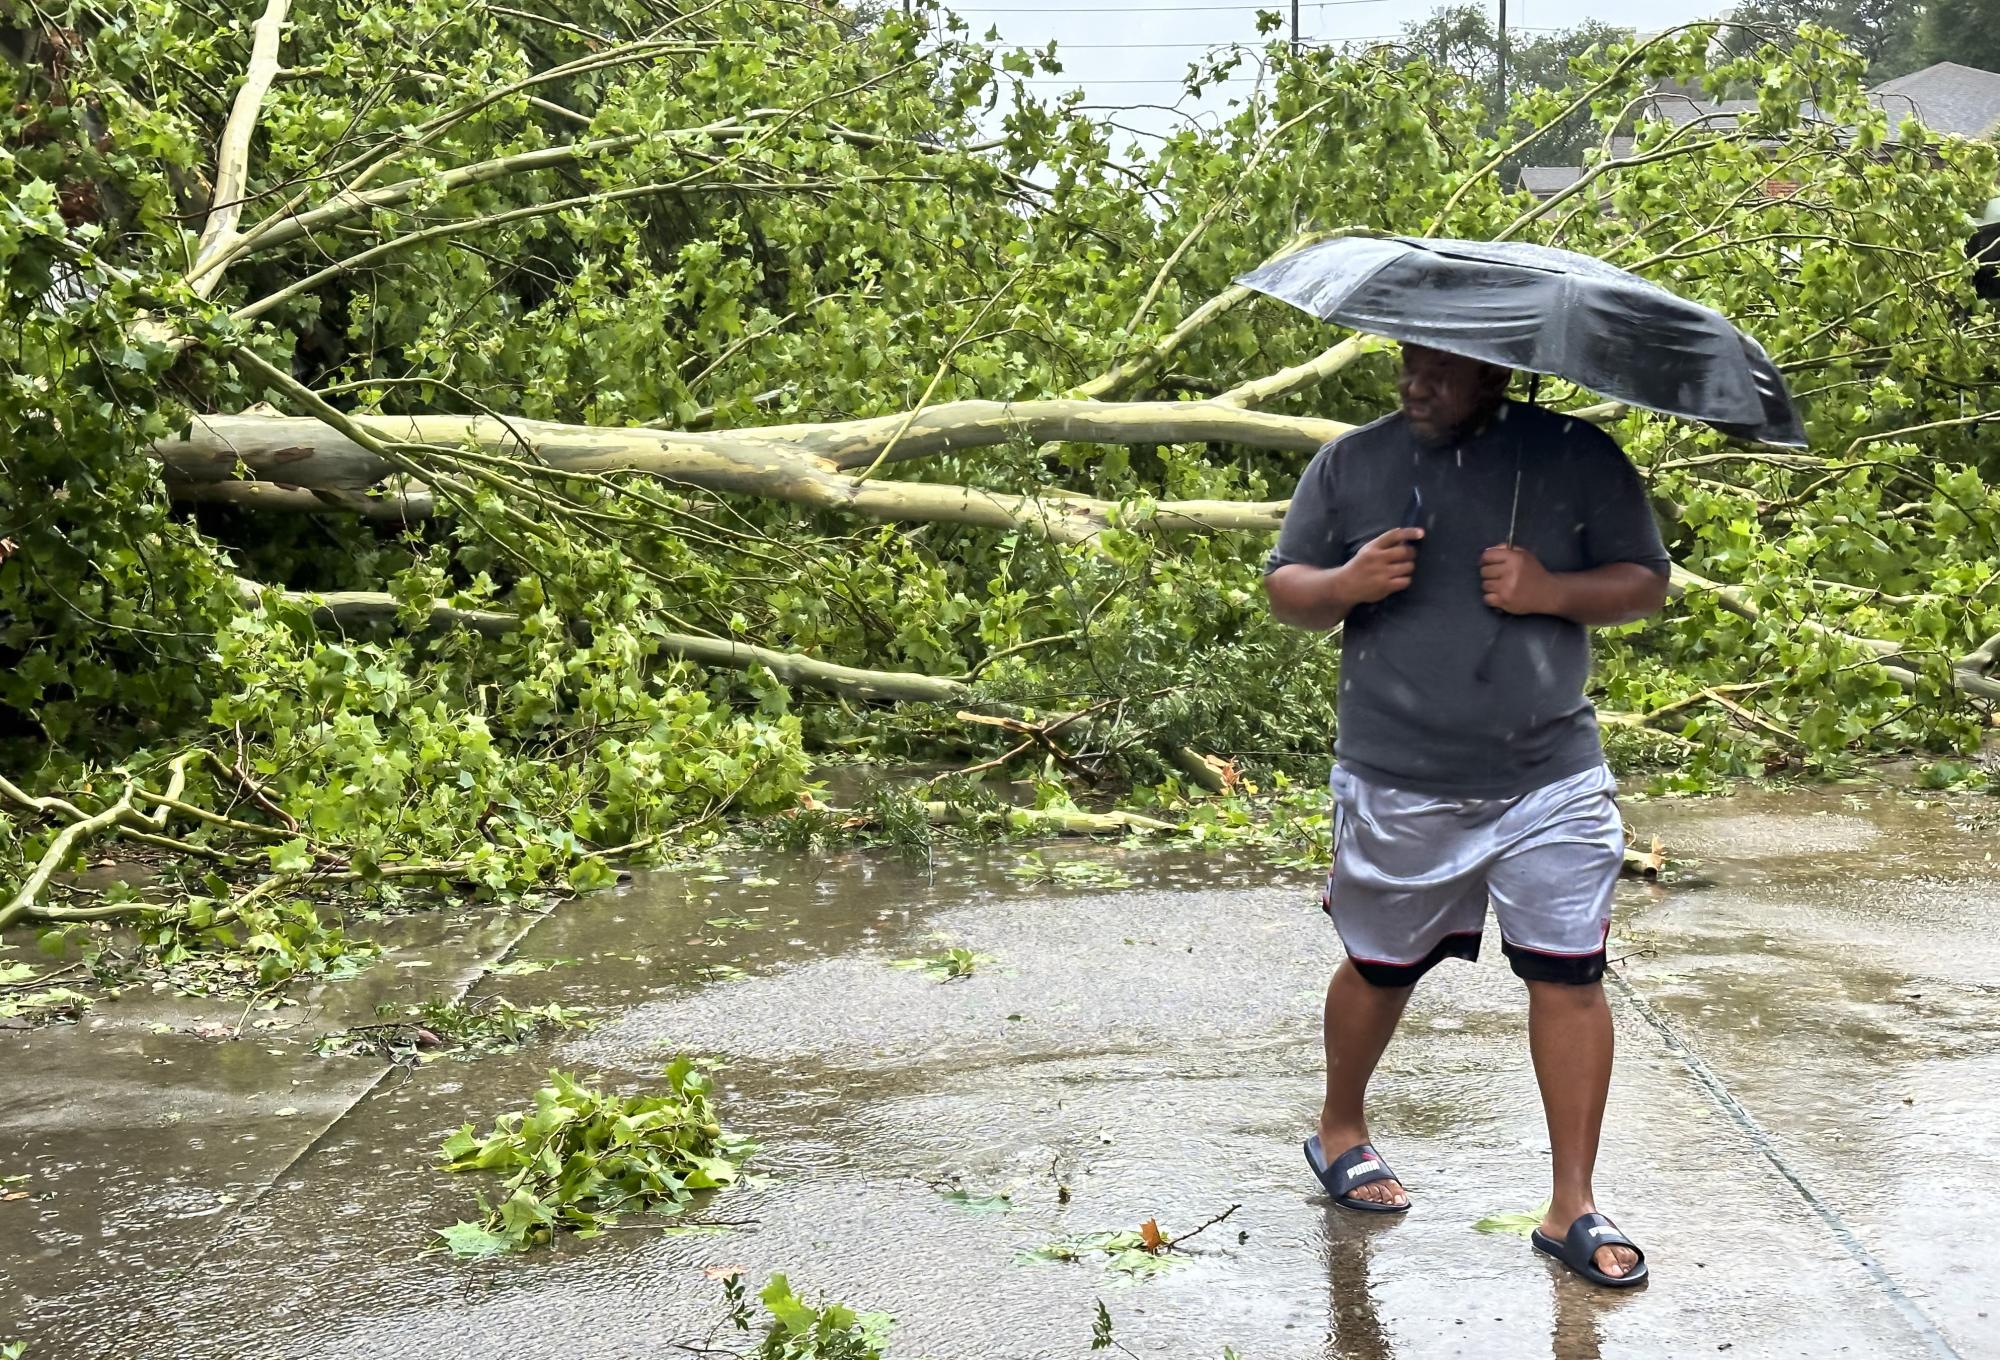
1145, 1051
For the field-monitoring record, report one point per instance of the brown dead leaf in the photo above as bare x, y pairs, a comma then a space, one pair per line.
724, 1272
23, 1194
1151, 1236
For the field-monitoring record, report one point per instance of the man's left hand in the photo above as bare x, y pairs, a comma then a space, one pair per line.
1514, 581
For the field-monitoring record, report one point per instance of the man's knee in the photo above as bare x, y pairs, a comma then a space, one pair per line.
1578, 996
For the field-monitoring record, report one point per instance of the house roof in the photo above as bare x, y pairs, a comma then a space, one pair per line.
1947, 98
1545, 180
1682, 109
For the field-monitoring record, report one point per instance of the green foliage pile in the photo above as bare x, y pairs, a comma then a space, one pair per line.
581, 1159
788, 215
419, 1033
1123, 1252
798, 1330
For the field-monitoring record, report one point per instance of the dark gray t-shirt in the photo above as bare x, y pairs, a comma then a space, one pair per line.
1414, 714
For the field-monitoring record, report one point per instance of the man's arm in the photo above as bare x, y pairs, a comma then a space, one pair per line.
1308, 597
1516, 582
1320, 598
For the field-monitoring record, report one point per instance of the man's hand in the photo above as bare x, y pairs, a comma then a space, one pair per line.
1514, 581
1321, 597
1382, 567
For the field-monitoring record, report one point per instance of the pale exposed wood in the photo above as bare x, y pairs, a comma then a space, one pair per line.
1299, 377
801, 464
404, 507
1057, 821
232, 159
360, 607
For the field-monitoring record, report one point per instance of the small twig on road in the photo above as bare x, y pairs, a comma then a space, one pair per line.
1176, 1244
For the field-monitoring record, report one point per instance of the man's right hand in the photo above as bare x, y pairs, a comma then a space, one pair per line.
1320, 597
1382, 567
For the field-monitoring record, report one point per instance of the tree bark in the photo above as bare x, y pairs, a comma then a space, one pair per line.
355, 607
801, 464
232, 159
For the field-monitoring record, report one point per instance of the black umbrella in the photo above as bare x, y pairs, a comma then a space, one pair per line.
1544, 310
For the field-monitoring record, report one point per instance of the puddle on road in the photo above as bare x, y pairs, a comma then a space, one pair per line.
1143, 1052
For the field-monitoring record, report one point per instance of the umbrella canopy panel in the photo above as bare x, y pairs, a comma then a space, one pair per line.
1547, 311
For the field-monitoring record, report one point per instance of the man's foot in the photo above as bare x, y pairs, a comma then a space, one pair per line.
1334, 1140
1615, 1260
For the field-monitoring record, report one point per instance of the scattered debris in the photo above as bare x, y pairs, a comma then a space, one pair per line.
581, 1159
951, 966
487, 1025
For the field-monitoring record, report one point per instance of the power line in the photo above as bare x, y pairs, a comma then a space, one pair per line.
1160, 9
1062, 47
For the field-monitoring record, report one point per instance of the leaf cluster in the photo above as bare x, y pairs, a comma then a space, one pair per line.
581, 1159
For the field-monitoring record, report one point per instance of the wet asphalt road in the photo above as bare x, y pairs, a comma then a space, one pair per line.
1804, 1132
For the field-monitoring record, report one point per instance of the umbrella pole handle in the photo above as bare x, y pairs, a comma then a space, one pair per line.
1514, 514
1480, 671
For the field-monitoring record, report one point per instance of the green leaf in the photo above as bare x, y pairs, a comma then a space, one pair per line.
473, 1239
1517, 1224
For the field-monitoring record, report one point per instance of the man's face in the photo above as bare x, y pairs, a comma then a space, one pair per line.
1445, 393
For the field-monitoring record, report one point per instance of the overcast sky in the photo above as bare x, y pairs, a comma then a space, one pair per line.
1134, 52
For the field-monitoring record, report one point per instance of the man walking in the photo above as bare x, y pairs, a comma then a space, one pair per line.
1467, 543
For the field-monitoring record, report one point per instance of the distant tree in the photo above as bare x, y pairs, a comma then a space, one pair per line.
1883, 31
1459, 37
1964, 31
1462, 37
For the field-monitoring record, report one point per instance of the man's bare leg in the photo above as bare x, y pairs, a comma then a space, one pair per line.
1569, 1033
1360, 1019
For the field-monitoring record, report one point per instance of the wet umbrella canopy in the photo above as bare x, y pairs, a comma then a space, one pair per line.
1549, 311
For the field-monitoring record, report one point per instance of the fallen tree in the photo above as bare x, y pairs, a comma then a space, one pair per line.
522, 440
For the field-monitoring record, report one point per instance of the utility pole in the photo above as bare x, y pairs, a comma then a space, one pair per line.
1499, 114
1295, 28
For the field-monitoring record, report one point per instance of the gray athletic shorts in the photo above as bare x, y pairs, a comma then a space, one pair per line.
1412, 873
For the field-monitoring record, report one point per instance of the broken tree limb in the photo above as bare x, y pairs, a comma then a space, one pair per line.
59, 853
1206, 771
403, 507
1641, 864
1299, 377
232, 159
301, 451
1124, 374
121, 815
1890, 658
1055, 821
802, 464
354, 607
